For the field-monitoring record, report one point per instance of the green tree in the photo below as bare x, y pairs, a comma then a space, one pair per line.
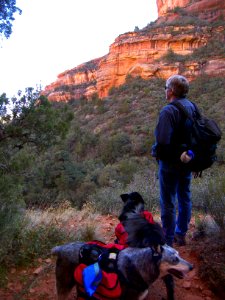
31, 120
7, 9
29, 124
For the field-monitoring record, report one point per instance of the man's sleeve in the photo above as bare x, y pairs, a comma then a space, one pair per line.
163, 133
164, 128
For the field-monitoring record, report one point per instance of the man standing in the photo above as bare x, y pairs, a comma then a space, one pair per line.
170, 150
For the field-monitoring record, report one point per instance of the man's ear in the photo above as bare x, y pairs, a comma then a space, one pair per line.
124, 197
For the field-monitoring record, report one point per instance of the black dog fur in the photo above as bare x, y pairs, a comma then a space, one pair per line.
133, 202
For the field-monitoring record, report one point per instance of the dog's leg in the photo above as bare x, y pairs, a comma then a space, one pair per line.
64, 278
169, 282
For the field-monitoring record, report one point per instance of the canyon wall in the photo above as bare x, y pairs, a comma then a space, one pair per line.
204, 9
141, 53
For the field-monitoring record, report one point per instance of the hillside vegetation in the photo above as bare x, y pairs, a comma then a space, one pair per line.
86, 153
109, 141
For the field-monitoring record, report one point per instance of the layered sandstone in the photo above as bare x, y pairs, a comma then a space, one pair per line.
164, 6
140, 54
204, 9
75, 83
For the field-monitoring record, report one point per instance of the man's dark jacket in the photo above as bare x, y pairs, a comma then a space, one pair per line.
171, 132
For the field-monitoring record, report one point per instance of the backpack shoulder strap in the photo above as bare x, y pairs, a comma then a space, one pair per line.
197, 110
181, 109
184, 111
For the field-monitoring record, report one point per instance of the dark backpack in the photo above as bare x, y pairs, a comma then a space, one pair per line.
202, 139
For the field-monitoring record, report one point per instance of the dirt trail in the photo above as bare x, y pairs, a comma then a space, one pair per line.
39, 283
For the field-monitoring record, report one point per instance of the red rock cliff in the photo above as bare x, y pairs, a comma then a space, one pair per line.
205, 9
182, 27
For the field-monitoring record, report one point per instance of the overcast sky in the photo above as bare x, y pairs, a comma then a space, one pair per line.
52, 36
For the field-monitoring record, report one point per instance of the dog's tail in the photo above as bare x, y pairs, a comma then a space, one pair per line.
68, 251
141, 233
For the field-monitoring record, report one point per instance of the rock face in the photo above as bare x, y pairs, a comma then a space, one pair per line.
164, 6
204, 9
75, 83
182, 27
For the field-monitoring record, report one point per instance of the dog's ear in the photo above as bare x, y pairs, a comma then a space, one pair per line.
124, 197
136, 197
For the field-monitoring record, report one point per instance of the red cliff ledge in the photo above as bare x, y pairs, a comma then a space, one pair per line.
182, 27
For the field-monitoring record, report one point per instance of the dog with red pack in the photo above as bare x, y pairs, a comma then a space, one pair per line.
124, 270
133, 202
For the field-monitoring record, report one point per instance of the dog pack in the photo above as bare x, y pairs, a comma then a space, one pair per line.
97, 275
203, 136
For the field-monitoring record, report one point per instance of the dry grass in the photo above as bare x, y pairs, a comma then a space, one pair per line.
78, 224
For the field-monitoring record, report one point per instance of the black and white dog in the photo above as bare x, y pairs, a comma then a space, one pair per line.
134, 203
140, 264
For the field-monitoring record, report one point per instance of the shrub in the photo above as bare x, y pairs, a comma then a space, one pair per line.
172, 57
107, 200
11, 212
126, 168
41, 230
79, 197
35, 242
214, 47
124, 107
34, 236
141, 145
212, 260
145, 182
107, 175
178, 10
115, 147
208, 194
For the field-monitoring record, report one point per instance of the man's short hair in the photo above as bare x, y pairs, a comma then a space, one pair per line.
179, 85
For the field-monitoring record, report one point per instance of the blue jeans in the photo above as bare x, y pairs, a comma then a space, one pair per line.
174, 182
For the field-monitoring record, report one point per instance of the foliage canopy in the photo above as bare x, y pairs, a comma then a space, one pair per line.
7, 9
